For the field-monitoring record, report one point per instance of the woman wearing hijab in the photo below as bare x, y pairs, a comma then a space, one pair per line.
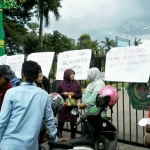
68, 88
91, 91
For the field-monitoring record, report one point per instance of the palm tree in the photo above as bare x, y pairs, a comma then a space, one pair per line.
42, 13
33, 26
137, 42
109, 43
102, 50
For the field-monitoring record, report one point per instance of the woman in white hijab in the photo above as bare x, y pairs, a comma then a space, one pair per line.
91, 91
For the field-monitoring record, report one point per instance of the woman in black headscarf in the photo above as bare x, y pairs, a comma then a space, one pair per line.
68, 88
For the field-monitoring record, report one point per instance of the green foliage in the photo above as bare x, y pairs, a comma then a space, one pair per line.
85, 42
59, 42
19, 40
31, 42
13, 37
137, 42
108, 44
43, 9
22, 14
102, 50
33, 26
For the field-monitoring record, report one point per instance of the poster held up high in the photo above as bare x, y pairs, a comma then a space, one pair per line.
128, 64
44, 59
15, 62
3, 59
78, 60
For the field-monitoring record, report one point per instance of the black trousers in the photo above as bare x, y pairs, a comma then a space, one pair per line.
72, 124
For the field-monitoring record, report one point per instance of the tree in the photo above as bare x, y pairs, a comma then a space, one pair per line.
33, 26
42, 12
137, 42
95, 47
85, 42
30, 43
14, 34
59, 42
23, 13
102, 50
109, 43
14, 22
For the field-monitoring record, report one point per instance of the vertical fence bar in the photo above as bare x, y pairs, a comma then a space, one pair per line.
143, 127
117, 111
123, 111
129, 120
136, 126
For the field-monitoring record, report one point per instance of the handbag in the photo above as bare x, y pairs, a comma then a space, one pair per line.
72, 102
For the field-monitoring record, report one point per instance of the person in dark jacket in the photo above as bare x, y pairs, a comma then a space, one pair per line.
5, 77
46, 84
43, 82
69, 87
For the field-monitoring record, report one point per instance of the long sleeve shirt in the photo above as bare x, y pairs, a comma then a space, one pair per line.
23, 110
89, 97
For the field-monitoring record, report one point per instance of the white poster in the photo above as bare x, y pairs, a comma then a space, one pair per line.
44, 59
78, 60
15, 62
3, 59
128, 64
145, 43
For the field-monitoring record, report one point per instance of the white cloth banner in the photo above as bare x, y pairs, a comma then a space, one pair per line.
78, 60
44, 59
128, 64
3, 59
15, 62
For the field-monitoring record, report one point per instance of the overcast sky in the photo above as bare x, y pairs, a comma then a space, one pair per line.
99, 17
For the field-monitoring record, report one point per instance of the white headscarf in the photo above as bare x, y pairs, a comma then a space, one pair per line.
96, 78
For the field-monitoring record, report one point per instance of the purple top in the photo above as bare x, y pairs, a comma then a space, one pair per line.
68, 85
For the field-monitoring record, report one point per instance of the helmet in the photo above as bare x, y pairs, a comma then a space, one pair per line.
108, 95
56, 102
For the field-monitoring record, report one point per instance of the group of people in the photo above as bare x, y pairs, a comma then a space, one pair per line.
70, 87
26, 107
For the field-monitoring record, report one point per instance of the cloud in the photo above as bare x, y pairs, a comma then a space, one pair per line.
98, 17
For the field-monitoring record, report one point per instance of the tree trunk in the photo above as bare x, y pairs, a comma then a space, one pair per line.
41, 30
